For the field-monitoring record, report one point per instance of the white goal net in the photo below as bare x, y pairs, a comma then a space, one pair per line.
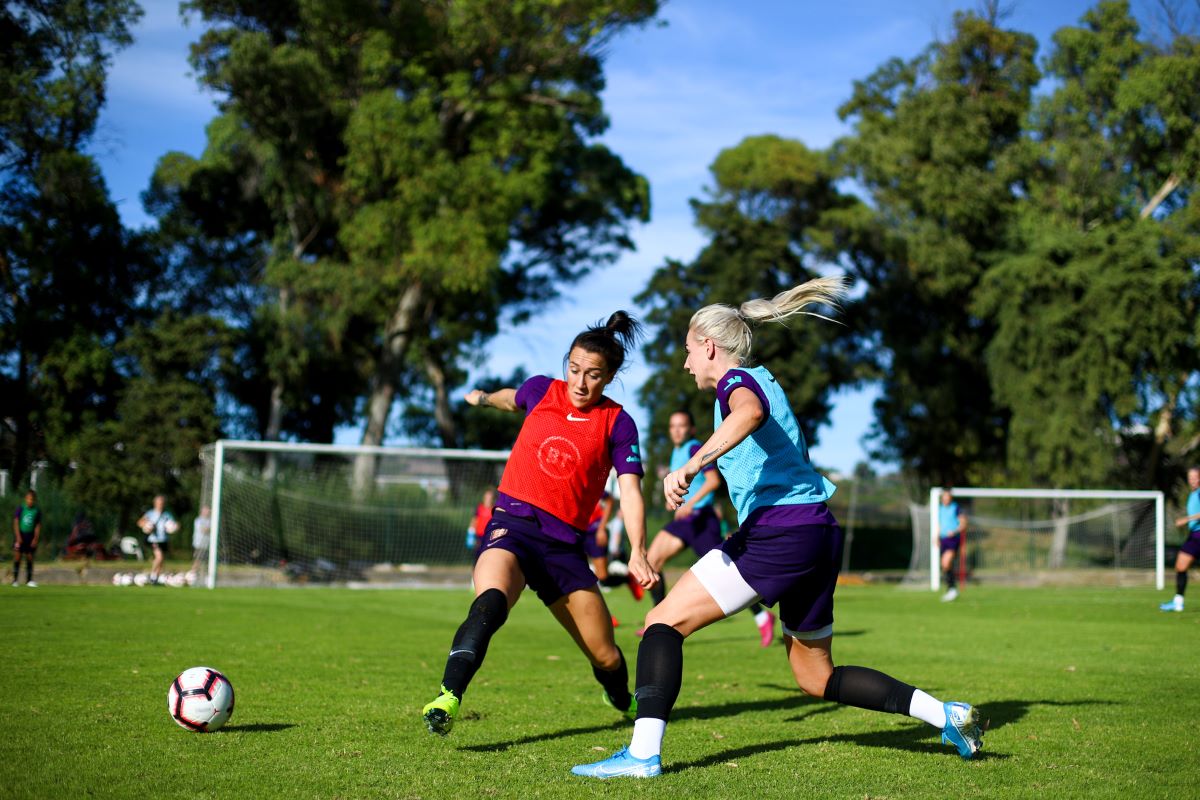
1046, 536
286, 513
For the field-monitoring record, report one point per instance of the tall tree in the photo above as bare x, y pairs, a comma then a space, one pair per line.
766, 217
72, 277
424, 156
1096, 343
937, 145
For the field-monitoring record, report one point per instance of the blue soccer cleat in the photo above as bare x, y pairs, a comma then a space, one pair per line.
1171, 605
962, 729
621, 765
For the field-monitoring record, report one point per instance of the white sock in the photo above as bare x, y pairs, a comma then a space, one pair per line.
1178, 600
761, 617
647, 737
927, 709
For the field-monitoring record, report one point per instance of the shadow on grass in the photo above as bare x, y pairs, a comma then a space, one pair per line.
499, 747
999, 713
259, 727
915, 738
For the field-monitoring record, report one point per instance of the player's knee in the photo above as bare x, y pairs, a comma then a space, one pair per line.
607, 658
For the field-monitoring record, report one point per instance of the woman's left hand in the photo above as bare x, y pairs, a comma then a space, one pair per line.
640, 569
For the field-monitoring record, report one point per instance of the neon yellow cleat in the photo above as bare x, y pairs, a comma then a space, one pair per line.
439, 714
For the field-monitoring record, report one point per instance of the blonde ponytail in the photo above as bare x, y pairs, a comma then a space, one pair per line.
729, 327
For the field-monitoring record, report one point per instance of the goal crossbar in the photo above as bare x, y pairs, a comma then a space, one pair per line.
935, 499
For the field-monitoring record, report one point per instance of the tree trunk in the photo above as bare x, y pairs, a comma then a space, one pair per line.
275, 413
1058, 544
1164, 191
1163, 432
397, 336
21, 450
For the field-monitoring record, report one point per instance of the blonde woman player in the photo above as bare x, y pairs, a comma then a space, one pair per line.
571, 437
787, 549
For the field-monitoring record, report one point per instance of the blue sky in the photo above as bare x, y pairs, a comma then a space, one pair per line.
715, 72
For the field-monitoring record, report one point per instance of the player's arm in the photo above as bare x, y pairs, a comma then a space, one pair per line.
712, 482
503, 399
1186, 520
746, 413
633, 511
962, 523
37, 531
16, 530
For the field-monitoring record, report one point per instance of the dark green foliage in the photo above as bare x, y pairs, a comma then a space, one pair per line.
766, 216
938, 146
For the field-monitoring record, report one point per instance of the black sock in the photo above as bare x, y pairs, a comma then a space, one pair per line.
29, 570
869, 689
488, 612
614, 580
16, 570
951, 578
659, 671
659, 592
616, 683
1180, 582
756, 609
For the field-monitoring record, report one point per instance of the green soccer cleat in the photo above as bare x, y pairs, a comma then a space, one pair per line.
629, 713
439, 715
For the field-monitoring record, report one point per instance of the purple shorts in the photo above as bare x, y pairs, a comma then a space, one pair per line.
700, 530
795, 566
1192, 545
25, 544
551, 567
950, 543
590, 548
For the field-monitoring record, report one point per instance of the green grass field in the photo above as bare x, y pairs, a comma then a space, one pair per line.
1089, 692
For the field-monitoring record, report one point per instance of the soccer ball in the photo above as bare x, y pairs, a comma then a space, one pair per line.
200, 699
171, 526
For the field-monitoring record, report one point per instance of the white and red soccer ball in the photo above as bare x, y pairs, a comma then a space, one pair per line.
200, 699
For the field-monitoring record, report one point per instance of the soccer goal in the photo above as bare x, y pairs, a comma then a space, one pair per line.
285, 513
1040, 536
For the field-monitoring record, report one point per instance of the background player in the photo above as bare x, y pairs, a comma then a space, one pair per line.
1190, 549
696, 524
952, 524
27, 530
571, 437
787, 549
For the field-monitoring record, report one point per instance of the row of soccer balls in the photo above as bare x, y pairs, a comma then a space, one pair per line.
200, 699
188, 578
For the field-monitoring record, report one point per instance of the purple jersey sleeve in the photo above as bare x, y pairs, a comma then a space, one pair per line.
532, 391
736, 379
710, 466
623, 446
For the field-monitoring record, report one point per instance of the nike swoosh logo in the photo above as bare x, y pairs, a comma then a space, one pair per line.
574, 418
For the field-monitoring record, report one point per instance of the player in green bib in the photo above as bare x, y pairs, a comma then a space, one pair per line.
27, 529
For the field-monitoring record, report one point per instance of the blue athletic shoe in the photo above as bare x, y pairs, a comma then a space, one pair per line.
962, 729
621, 765
1171, 605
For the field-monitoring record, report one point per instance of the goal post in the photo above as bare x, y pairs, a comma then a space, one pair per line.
296, 510
1120, 524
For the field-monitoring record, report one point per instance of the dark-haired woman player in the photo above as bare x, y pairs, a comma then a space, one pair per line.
788, 547
571, 437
